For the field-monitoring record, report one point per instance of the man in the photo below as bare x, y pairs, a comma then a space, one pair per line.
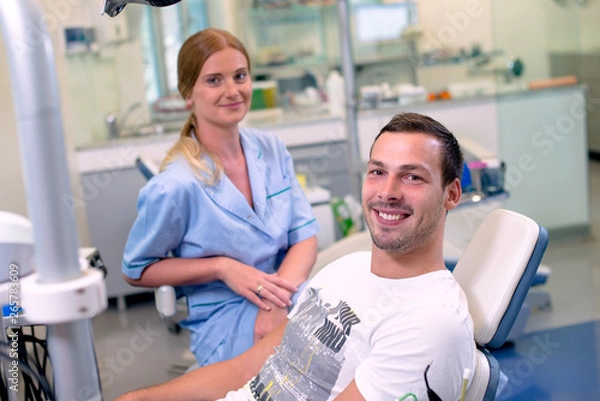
383, 325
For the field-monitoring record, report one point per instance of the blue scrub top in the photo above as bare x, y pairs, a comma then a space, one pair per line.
181, 216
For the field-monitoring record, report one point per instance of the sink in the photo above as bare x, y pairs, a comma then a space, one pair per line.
152, 129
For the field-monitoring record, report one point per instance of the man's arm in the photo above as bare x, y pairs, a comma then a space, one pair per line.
350, 393
214, 381
295, 268
299, 261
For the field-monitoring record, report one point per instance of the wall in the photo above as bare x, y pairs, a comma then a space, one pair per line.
112, 83
450, 25
108, 80
522, 29
456, 23
90, 86
574, 27
590, 29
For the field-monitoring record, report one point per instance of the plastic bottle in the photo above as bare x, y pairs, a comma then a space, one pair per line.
355, 211
335, 94
342, 215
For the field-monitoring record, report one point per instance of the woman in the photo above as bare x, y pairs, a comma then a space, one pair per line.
226, 220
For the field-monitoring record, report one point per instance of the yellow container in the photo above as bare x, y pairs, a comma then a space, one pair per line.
264, 95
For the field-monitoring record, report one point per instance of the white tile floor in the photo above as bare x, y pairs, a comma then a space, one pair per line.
134, 349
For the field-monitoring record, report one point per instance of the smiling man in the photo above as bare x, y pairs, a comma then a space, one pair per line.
382, 325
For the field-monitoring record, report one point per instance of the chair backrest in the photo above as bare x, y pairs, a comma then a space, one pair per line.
495, 272
147, 166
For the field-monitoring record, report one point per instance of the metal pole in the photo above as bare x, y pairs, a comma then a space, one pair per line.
37, 105
354, 161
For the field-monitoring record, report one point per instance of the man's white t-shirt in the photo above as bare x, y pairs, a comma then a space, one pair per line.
349, 324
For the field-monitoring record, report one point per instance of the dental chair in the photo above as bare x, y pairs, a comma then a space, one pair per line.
496, 271
147, 166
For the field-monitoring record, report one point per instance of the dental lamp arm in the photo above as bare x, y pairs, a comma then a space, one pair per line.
113, 7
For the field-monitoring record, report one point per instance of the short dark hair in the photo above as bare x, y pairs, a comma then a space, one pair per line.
452, 157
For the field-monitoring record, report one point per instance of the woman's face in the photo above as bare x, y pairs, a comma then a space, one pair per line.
223, 90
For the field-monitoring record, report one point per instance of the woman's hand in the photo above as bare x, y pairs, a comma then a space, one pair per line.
255, 285
267, 321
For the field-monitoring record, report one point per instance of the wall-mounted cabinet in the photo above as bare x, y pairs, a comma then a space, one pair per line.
286, 38
293, 37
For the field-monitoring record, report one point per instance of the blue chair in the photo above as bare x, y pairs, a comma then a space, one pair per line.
496, 271
147, 166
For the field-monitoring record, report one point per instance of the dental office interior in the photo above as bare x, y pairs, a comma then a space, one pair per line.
518, 83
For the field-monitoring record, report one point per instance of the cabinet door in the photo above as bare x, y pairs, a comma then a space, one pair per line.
297, 35
111, 203
325, 165
543, 141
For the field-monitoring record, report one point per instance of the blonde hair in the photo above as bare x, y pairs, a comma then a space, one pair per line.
193, 54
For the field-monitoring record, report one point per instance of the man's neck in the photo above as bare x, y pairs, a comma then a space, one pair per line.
397, 265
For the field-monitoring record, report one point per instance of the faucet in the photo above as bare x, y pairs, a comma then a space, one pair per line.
116, 121
114, 7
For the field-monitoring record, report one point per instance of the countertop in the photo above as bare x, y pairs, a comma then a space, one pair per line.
295, 129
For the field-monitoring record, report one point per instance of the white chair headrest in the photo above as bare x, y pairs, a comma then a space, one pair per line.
496, 270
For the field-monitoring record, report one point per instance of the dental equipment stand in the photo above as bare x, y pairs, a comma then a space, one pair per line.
59, 295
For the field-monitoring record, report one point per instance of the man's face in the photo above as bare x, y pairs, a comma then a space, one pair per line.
403, 198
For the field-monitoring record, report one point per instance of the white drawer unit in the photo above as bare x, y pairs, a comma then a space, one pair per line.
319, 199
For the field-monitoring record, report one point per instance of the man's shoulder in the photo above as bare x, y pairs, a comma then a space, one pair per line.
359, 261
436, 301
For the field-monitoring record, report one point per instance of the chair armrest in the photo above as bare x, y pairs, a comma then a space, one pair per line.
541, 276
166, 301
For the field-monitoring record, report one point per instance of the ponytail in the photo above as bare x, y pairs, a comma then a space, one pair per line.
195, 154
